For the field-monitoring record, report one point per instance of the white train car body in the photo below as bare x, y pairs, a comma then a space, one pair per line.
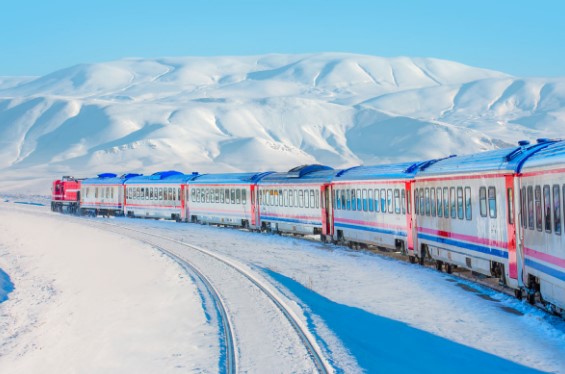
103, 195
542, 192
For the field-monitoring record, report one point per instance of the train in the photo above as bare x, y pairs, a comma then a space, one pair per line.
496, 213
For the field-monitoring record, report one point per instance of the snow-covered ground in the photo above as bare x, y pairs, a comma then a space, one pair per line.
112, 304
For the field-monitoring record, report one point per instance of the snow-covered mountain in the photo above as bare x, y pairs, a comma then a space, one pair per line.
263, 112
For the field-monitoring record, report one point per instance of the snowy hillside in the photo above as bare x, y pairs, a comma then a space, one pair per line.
262, 112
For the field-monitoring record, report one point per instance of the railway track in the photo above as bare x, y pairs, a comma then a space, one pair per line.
173, 249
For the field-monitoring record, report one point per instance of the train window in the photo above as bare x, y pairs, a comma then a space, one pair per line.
427, 200
237, 196
150, 193
178, 194
96, 192
227, 196
359, 208
468, 206
408, 203
370, 198
232, 195
347, 199
192, 195
337, 194
524, 208
300, 198
389, 200
317, 198
281, 198
453, 202
537, 197
221, 195
377, 209
174, 194
445, 202
285, 197
439, 203
353, 200
313, 201
291, 198
383, 200
112, 193
138, 193
460, 202
306, 199
107, 194
483, 201
547, 207
433, 204
364, 197
217, 194
530, 207
422, 203
492, 202
510, 206
396, 201
160, 193
416, 201
557, 209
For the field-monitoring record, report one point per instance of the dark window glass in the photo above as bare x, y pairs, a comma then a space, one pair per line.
439, 203
403, 200
483, 201
539, 218
547, 207
317, 198
353, 200
377, 208
364, 197
416, 202
389, 200
445, 202
453, 202
422, 203
427, 200
433, 201
244, 196
531, 207
383, 200
511, 206
348, 199
238, 196
492, 202
370, 197
460, 202
232, 195
359, 207
557, 209
396, 201
468, 206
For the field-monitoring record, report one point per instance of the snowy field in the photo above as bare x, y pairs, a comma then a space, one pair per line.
113, 304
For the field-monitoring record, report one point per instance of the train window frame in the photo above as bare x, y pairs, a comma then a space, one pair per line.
377, 200
510, 202
281, 198
531, 216
370, 200
427, 201
492, 210
468, 204
317, 199
557, 209
222, 195
244, 196
364, 198
389, 201
538, 208
300, 198
422, 203
160, 193
446, 202
523, 208
306, 198
460, 207
151, 194
232, 195
237, 196
416, 202
397, 207
547, 221
353, 200
439, 197
383, 200
358, 200
193, 195
433, 204
408, 202
483, 201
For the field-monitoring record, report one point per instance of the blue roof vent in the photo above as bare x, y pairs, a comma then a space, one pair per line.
523, 143
543, 140
302, 170
164, 174
107, 175
130, 175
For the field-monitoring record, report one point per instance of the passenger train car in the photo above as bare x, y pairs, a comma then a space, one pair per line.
157, 196
298, 201
541, 189
497, 213
103, 195
225, 199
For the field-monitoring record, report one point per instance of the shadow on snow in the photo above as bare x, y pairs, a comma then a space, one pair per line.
6, 286
383, 345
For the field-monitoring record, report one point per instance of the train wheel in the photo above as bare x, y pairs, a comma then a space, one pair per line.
531, 297
412, 259
518, 294
439, 265
448, 268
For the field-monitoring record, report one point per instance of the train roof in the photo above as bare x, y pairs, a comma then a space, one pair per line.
230, 178
301, 174
168, 176
109, 178
553, 154
500, 160
404, 170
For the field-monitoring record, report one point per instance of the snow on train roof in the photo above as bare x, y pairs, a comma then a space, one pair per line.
553, 154
302, 174
391, 171
232, 178
109, 178
169, 176
507, 159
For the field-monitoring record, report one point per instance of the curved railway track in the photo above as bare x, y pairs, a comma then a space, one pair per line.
163, 244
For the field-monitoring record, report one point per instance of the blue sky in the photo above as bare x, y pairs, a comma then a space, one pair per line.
519, 37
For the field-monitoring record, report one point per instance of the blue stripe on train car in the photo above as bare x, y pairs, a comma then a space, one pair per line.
290, 220
465, 245
372, 229
546, 269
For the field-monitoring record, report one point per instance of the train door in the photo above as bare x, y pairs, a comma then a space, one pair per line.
253, 202
411, 219
327, 209
511, 221
184, 202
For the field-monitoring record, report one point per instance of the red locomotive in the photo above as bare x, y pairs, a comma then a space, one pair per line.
65, 195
